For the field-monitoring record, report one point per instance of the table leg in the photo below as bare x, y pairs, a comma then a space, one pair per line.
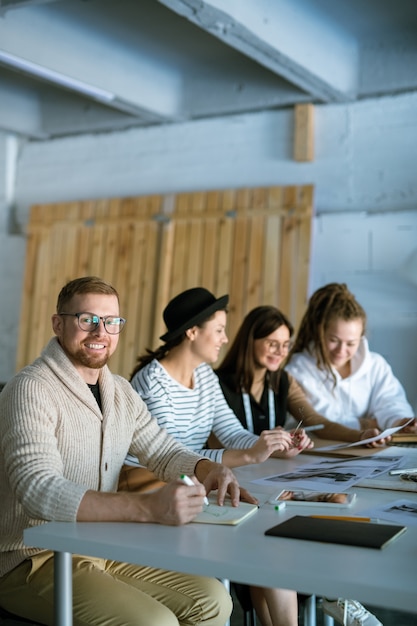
226, 583
310, 611
63, 588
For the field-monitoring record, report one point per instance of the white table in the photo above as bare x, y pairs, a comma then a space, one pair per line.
385, 578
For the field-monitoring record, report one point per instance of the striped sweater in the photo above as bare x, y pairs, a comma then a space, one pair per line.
56, 444
191, 415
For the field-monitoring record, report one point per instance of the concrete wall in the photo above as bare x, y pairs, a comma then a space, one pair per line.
365, 180
12, 255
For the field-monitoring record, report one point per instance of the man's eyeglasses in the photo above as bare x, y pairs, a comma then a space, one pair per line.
276, 346
89, 322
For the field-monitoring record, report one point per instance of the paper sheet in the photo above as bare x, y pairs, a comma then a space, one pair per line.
386, 433
398, 512
332, 475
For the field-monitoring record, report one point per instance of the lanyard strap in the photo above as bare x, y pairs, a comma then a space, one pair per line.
248, 410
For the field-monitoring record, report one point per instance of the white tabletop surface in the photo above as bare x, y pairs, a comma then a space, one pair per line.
386, 578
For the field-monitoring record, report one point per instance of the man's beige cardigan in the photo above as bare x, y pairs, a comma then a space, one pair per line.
56, 444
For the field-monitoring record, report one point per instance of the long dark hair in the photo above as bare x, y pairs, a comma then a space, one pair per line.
239, 361
157, 354
333, 301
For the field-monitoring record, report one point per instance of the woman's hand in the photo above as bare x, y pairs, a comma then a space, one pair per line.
300, 441
410, 428
269, 443
373, 432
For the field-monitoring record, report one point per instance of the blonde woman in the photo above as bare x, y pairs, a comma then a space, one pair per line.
343, 379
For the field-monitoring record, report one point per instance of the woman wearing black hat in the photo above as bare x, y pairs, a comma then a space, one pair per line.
181, 390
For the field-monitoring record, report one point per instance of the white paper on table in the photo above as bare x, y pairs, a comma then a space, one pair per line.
386, 433
318, 478
332, 475
381, 463
398, 512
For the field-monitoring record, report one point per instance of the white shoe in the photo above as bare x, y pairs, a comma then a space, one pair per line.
349, 613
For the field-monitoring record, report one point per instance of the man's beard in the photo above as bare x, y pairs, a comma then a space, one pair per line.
91, 361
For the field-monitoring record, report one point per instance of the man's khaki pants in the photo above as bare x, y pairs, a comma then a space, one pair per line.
108, 593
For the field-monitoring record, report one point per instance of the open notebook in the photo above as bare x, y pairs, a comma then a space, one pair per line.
226, 514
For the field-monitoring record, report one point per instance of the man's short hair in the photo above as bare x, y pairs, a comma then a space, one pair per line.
85, 284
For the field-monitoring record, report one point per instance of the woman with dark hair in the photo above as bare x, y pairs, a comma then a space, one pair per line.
258, 390
342, 378
261, 394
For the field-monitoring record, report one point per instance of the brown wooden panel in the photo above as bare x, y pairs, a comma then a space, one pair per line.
251, 243
209, 251
181, 239
304, 132
210, 244
272, 249
120, 276
148, 279
225, 236
304, 251
238, 278
194, 247
255, 261
29, 295
163, 279
40, 326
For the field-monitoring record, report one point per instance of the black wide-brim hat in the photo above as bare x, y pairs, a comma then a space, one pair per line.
188, 309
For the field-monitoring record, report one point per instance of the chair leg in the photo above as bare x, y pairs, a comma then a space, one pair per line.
327, 619
249, 617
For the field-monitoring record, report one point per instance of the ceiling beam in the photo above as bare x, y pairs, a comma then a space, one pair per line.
50, 43
20, 110
288, 37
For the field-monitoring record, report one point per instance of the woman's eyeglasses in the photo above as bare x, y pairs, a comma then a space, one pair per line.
276, 346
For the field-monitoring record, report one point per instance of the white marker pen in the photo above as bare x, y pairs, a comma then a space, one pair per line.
404, 470
187, 481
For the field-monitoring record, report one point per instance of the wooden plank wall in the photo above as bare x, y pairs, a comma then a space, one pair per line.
251, 243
